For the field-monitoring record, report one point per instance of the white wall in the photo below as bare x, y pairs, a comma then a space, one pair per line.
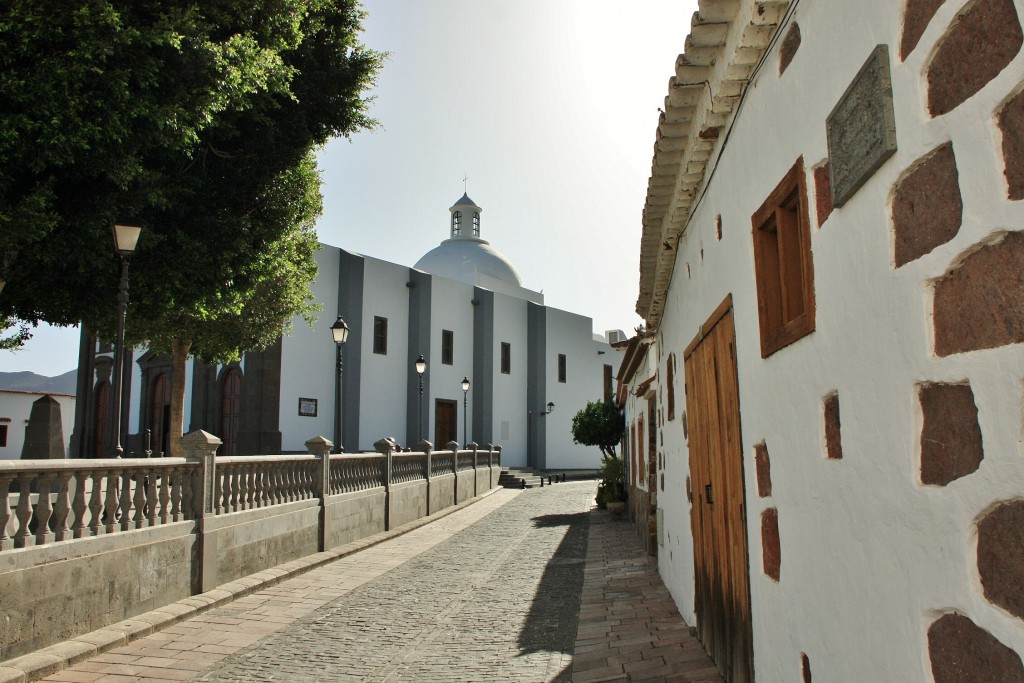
451, 309
510, 325
16, 406
383, 388
572, 335
308, 363
869, 555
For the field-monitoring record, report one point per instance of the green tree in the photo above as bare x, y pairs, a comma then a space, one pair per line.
600, 424
228, 196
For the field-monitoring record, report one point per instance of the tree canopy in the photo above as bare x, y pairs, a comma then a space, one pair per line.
600, 424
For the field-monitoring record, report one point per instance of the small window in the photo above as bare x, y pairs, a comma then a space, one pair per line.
506, 358
380, 335
3, 436
456, 223
670, 388
561, 368
476, 224
608, 389
783, 264
447, 347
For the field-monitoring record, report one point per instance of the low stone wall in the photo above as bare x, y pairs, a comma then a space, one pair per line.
117, 538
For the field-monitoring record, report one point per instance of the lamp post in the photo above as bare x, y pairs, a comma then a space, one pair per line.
421, 367
339, 331
126, 236
465, 409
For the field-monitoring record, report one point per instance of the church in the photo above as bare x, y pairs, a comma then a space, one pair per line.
498, 366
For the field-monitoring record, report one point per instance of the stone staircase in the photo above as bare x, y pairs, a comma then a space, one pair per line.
521, 478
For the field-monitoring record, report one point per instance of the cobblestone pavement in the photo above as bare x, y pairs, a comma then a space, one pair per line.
491, 592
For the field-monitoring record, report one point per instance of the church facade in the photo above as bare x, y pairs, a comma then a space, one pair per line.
462, 308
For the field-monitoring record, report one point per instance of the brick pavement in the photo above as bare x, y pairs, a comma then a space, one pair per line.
496, 591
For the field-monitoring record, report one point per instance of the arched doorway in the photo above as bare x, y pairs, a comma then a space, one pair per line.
160, 418
231, 402
100, 423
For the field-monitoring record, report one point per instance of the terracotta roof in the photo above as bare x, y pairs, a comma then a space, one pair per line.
645, 385
727, 41
36, 393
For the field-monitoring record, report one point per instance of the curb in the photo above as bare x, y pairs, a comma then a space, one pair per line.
50, 660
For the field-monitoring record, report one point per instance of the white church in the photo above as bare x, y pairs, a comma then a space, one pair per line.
462, 309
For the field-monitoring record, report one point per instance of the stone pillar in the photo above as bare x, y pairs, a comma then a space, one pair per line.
386, 447
428, 448
476, 466
44, 435
201, 447
321, 447
453, 446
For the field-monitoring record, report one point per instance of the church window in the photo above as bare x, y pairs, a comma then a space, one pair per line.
3, 436
506, 358
476, 224
561, 368
447, 347
380, 335
607, 382
783, 265
456, 223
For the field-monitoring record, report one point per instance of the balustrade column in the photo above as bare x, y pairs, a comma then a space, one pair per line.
473, 445
6, 542
321, 447
201, 447
386, 447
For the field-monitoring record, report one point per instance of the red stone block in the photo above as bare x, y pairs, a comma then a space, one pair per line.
927, 209
962, 652
1001, 556
771, 552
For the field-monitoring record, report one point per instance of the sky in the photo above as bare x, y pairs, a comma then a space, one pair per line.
547, 108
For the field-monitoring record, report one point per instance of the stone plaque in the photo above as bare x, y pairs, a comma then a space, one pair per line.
861, 128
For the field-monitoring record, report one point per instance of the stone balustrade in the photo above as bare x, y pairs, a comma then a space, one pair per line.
148, 532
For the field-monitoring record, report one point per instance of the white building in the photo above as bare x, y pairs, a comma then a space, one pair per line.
831, 282
15, 410
462, 307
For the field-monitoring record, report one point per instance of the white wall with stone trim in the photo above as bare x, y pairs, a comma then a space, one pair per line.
869, 555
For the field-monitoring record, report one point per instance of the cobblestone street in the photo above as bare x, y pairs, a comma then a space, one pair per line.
491, 592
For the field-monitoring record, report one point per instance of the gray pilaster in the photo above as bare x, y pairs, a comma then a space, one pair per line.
350, 307
419, 343
483, 366
536, 383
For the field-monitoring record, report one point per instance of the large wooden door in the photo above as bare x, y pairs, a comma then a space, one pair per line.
445, 422
719, 513
230, 411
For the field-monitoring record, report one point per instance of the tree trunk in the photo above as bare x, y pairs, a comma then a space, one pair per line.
179, 354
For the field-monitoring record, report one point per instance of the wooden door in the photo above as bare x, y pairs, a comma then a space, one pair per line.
100, 424
160, 419
719, 514
445, 422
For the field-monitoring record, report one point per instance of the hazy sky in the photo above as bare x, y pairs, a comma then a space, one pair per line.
548, 106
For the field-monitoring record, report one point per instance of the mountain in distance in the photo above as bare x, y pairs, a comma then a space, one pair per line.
30, 381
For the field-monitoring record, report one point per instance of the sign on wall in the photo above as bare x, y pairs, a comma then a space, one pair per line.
307, 407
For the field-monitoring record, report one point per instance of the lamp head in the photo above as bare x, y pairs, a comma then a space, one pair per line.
126, 236
421, 365
339, 330
465, 384
551, 406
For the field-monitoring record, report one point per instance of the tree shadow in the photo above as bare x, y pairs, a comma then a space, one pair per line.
553, 618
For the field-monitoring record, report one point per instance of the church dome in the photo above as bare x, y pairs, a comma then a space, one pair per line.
464, 255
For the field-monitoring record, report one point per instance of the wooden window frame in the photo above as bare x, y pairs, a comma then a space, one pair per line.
506, 358
783, 265
561, 368
380, 339
670, 386
456, 223
609, 381
447, 347
3, 436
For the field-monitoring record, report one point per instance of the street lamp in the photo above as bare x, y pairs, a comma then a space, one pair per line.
465, 408
529, 430
421, 367
339, 330
126, 236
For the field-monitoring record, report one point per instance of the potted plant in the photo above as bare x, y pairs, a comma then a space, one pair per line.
612, 488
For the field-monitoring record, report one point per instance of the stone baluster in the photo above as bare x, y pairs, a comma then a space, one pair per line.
231, 479
138, 497
24, 511
44, 509
188, 480
386, 447
97, 511
151, 501
174, 481
61, 532
78, 504
165, 495
125, 482
6, 542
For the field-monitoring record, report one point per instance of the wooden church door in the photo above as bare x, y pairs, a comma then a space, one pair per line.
718, 516
445, 422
